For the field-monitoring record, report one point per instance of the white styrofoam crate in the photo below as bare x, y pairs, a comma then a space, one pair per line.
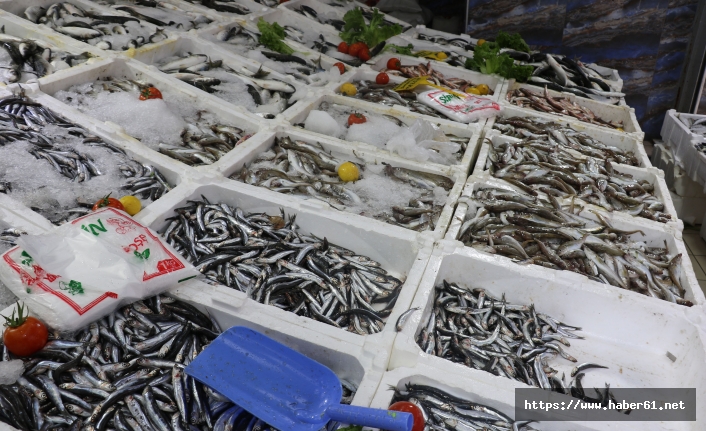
656, 235
17, 8
494, 82
209, 34
624, 141
606, 111
362, 365
175, 173
18, 27
477, 388
423, 45
298, 114
249, 150
690, 209
122, 68
402, 252
633, 348
155, 54
677, 137
652, 175
422, 29
251, 5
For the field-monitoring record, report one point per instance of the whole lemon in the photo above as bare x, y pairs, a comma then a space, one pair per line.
480, 42
483, 89
131, 204
348, 89
348, 172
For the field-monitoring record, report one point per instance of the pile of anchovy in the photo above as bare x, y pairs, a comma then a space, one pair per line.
526, 98
295, 64
24, 120
530, 230
31, 59
443, 411
125, 372
561, 73
191, 69
305, 169
434, 76
230, 6
474, 328
203, 143
559, 173
383, 94
442, 40
116, 32
547, 134
265, 257
159, 13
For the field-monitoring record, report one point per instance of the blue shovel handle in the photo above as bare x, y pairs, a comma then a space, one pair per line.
374, 418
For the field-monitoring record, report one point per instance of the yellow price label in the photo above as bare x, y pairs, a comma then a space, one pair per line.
411, 83
434, 55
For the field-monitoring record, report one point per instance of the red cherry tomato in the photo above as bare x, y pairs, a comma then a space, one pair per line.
108, 202
364, 54
24, 335
394, 64
354, 49
343, 47
150, 93
406, 406
356, 118
382, 78
341, 67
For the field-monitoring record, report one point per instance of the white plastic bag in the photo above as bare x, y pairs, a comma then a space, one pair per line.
88, 267
464, 108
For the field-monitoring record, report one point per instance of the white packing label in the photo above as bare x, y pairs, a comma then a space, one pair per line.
464, 108
88, 267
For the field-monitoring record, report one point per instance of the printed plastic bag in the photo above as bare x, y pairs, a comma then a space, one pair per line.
464, 108
88, 267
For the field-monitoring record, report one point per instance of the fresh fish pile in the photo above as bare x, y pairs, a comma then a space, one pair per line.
529, 230
560, 73
300, 168
695, 125
159, 13
23, 59
104, 31
311, 13
265, 257
203, 141
230, 6
526, 98
547, 134
433, 75
269, 94
125, 372
385, 95
245, 42
53, 140
474, 328
443, 411
561, 173
458, 42
422, 140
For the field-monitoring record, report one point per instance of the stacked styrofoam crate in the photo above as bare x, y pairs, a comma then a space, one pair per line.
688, 175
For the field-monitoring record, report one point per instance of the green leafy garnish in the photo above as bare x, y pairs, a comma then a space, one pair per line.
404, 50
512, 41
271, 36
356, 30
487, 59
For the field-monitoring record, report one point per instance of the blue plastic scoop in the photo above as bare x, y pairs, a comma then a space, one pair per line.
281, 386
